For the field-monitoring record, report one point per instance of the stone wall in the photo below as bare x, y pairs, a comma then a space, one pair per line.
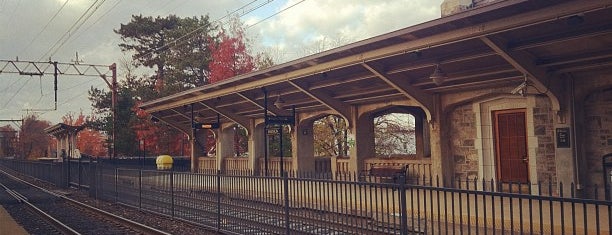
597, 139
544, 132
463, 135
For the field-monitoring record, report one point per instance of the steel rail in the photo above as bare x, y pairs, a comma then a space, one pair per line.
271, 210
112, 217
61, 227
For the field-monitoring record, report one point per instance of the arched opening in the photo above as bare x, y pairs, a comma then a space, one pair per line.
278, 147
241, 145
330, 137
399, 139
329, 143
205, 143
401, 132
233, 150
395, 135
278, 135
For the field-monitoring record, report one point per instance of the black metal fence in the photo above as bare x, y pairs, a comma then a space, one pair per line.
297, 204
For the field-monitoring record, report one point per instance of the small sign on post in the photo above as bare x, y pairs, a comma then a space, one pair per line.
280, 120
563, 137
205, 125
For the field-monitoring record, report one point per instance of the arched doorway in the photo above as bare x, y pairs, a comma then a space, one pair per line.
400, 139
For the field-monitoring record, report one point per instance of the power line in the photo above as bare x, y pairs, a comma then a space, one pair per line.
281, 11
71, 31
78, 27
99, 18
45, 27
175, 42
17, 92
11, 19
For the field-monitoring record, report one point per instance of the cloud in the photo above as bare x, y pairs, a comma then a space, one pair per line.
337, 22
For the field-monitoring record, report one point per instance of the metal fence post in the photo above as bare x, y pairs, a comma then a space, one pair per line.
286, 194
404, 210
116, 184
172, 189
65, 173
91, 178
140, 189
79, 172
69, 171
218, 200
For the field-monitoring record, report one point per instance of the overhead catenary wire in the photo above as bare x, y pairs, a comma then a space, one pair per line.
275, 14
73, 29
98, 19
44, 27
17, 92
186, 37
12, 17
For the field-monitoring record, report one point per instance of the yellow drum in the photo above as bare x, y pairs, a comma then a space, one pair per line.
164, 162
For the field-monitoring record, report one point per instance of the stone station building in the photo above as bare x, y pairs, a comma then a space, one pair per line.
511, 91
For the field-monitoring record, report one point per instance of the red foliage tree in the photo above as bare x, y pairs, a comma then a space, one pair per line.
230, 56
89, 141
33, 141
155, 139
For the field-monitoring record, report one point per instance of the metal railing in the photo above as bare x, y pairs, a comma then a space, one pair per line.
302, 204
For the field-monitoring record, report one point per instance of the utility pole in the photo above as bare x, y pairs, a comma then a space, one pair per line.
113, 68
112, 84
40, 68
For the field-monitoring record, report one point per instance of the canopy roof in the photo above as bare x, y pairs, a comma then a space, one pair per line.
62, 129
486, 47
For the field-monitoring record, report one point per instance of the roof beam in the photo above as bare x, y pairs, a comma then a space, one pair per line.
525, 63
422, 98
271, 109
334, 104
181, 114
185, 131
561, 37
229, 115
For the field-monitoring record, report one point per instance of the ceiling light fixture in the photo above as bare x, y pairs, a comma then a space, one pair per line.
438, 76
279, 103
521, 89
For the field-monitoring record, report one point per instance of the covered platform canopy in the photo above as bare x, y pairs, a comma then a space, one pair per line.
67, 137
540, 57
491, 46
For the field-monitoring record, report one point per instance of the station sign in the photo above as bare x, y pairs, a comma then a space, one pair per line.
280, 120
205, 125
273, 131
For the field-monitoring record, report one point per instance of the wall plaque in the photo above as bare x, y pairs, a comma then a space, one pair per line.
563, 137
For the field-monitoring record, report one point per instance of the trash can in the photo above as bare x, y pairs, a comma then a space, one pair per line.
164, 162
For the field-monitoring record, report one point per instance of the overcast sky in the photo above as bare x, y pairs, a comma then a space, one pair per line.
301, 28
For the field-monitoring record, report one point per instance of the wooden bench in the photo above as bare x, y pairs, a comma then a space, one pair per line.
386, 173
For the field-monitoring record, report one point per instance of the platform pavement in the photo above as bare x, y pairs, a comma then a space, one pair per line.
8, 226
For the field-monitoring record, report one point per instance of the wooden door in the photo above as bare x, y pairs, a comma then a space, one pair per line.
511, 146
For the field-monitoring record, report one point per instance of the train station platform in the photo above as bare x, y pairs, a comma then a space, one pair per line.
8, 226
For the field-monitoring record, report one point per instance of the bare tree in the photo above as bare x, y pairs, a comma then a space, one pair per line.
394, 134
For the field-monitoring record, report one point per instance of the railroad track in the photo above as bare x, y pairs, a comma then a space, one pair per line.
246, 216
63, 215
